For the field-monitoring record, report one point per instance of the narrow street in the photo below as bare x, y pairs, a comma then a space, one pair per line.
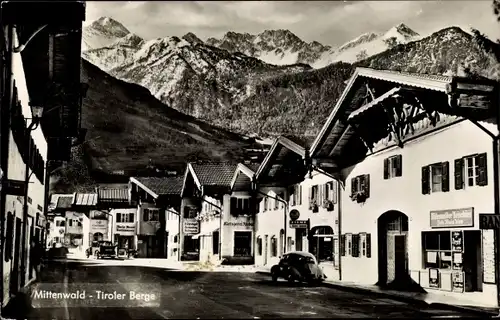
204, 295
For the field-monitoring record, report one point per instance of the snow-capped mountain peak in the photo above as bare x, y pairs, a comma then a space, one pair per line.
401, 31
110, 26
102, 33
191, 38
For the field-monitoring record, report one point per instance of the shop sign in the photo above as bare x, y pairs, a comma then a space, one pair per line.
489, 257
452, 218
98, 225
190, 226
458, 281
457, 241
433, 278
238, 224
489, 221
127, 228
298, 224
14, 187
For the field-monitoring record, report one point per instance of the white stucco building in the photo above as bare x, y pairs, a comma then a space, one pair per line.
416, 180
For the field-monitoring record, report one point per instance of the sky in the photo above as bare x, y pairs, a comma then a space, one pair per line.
328, 22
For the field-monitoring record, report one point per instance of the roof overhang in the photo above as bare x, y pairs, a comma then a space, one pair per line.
455, 89
143, 187
280, 142
242, 169
190, 172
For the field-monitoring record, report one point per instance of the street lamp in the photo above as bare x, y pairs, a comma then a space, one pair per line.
36, 116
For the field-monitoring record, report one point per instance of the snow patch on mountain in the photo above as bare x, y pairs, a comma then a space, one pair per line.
102, 33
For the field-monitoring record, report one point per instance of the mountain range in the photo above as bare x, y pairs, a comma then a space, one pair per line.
238, 84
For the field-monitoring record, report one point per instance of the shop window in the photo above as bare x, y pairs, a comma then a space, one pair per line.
242, 243
150, 215
437, 249
259, 246
471, 171
274, 247
215, 242
393, 167
190, 245
435, 178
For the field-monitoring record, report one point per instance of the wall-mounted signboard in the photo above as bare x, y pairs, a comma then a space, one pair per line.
488, 257
190, 227
452, 218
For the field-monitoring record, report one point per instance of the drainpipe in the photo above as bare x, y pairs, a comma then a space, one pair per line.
285, 210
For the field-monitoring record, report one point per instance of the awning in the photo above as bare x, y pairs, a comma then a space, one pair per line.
374, 103
206, 233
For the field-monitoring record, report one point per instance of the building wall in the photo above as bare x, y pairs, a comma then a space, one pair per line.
268, 225
232, 224
209, 223
404, 194
187, 202
16, 171
56, 231
173, 234
128, 229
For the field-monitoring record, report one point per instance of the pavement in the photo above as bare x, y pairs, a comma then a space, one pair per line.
162, 292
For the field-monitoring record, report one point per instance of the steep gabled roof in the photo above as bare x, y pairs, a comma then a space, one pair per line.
246, 170
157, 186
214, 174
436, 83
275, 148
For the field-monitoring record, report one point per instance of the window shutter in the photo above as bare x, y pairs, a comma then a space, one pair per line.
327, 191
399, 165
445, 178
386, 168
353, 187
233, 205
426, 187
355, 245
300, 195
482, 167
145, 215
310, 196
366, 178
342, 245
334, 191
459, 175
368, 245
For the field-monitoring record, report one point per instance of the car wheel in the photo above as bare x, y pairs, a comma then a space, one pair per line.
274, 276
291, 279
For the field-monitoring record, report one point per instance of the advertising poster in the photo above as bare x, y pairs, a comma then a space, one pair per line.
457, 241
458, 281
433, 278
457, 260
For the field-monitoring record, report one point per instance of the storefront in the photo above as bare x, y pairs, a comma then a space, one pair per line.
190, 243
99, 229
125, 235
452, 257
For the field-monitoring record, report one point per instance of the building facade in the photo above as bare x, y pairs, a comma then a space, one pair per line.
77, 233
124, 228
412, 196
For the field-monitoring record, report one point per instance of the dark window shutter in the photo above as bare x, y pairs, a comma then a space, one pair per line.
355, 245
366, 188
354, 186
482, 167
342, 245
426, 187
234, 206
399, 165
459, 175
386, 168
445, 178
145, 215
368, 245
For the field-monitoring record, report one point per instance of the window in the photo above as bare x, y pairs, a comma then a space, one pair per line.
360, 185
296, 198
331, 191
471, 171
437, 249
149, 215
240, 206
355, 244
435, 178
274, 247
215, 242
393, 167
60, 223
259, 246
282, 196
125, 217
265, 203
242, 243
190, 212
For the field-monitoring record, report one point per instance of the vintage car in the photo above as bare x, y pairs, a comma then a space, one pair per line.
107, 250
298, 266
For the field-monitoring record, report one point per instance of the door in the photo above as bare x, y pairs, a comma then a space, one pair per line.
400, 271
266, 240
14, 277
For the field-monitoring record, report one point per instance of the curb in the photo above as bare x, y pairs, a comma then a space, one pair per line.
409, 300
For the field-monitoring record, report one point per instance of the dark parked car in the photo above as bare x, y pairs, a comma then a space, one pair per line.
107, 250
298, 266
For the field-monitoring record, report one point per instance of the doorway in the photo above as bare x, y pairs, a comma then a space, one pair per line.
321, 243
392, 248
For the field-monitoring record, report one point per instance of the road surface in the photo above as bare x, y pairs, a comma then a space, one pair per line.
201, 295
